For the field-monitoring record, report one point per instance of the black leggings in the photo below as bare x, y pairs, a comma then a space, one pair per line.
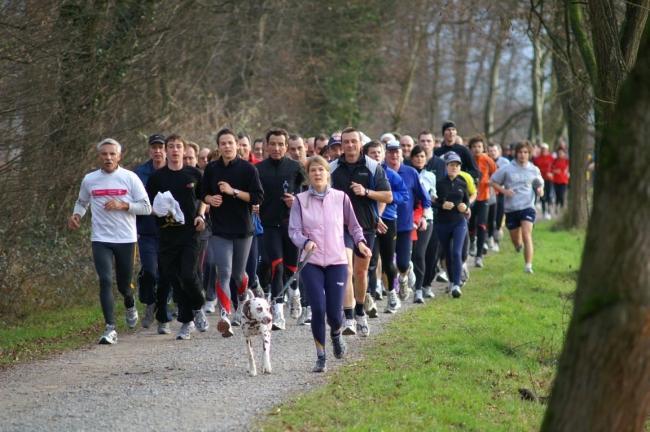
495, 216
419, 254
103, 255
432, 258
560, 191
279, 259
478, 224
384, 247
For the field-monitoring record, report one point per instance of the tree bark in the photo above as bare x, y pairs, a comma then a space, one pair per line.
537, 71
603, 380
490, 102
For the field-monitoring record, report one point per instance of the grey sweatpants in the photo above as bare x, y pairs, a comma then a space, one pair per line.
229, 256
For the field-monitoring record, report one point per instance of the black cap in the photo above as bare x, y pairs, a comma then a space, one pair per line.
157, 139
448, 124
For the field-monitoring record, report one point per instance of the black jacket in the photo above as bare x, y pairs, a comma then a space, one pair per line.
232, 219
467, 162
278, 177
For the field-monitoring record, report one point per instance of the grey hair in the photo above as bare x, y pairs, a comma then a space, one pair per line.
109, 141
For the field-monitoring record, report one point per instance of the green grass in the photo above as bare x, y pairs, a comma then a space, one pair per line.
45, 333
457, 364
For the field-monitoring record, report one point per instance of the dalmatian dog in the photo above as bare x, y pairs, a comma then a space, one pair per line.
257, 320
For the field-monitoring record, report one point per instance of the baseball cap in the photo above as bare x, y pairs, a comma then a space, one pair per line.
333, 141
156, 139
392, 145
452, 157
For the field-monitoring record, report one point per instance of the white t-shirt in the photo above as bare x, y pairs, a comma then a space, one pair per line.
99, 187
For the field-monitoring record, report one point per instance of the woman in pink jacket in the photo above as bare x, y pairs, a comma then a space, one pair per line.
316, 225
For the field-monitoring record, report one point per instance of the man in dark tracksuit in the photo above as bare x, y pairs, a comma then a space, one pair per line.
281, 178
365, 182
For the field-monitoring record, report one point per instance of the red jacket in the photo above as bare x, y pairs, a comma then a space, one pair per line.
560, 169
544, 163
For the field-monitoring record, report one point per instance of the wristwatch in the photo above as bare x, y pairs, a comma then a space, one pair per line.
235, 192
367, 192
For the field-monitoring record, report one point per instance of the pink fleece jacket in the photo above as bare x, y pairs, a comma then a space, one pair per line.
323, 220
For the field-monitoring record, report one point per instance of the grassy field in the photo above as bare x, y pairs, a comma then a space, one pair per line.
457, 364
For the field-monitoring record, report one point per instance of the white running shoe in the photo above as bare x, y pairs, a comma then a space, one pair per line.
185, 331
362, 325
295, 309
149, 315
495, 247
349, 327
278, 317
210, 306
456, 292
442, 277
379, 290
528, 268
411, 276
370, 306
224, 327
404, 290
419, 297
472, 247
393, 302
427, 292
237, 317
200, 320
478, 262
304, 316
131, 317
109, 337
163, 328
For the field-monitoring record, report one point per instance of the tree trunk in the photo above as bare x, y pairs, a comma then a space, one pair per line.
434, 100
603, 380
537, 71
490, 103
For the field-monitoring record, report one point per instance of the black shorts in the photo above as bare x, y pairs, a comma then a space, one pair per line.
349, 241
514, 219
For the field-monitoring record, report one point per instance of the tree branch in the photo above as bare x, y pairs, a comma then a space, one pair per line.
582, 39
636, 15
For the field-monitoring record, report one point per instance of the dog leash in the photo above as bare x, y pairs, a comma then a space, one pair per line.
294, 276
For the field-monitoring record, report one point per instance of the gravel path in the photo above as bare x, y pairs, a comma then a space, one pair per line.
153, 382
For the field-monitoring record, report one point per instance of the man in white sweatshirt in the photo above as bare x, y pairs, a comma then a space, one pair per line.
115, 196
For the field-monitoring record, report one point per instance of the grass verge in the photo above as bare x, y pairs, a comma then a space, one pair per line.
457, 364
47, 333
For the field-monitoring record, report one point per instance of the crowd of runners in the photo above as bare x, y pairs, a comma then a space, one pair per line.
370, 220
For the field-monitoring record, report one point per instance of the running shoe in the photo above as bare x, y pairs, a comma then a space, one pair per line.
349, 328
427, 292
442, 277
295, 309
370, 306
321, 364
224, 327
236, 318
472, 247
362, 325
200, 320
419, 297
528, 268
109, 337
338, 346
456, 292
464, 274
379, 291
495, 247
210, 306
306, 314
411, 276
478, 262
278, 317
393, 302
163, 328
485, 249
519, 248
149, 315
185, 331
404, 290
131, 317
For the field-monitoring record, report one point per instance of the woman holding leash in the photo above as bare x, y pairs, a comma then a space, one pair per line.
317, 225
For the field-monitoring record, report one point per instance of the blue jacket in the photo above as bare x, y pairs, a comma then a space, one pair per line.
146, 225
400, 193
416, 192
